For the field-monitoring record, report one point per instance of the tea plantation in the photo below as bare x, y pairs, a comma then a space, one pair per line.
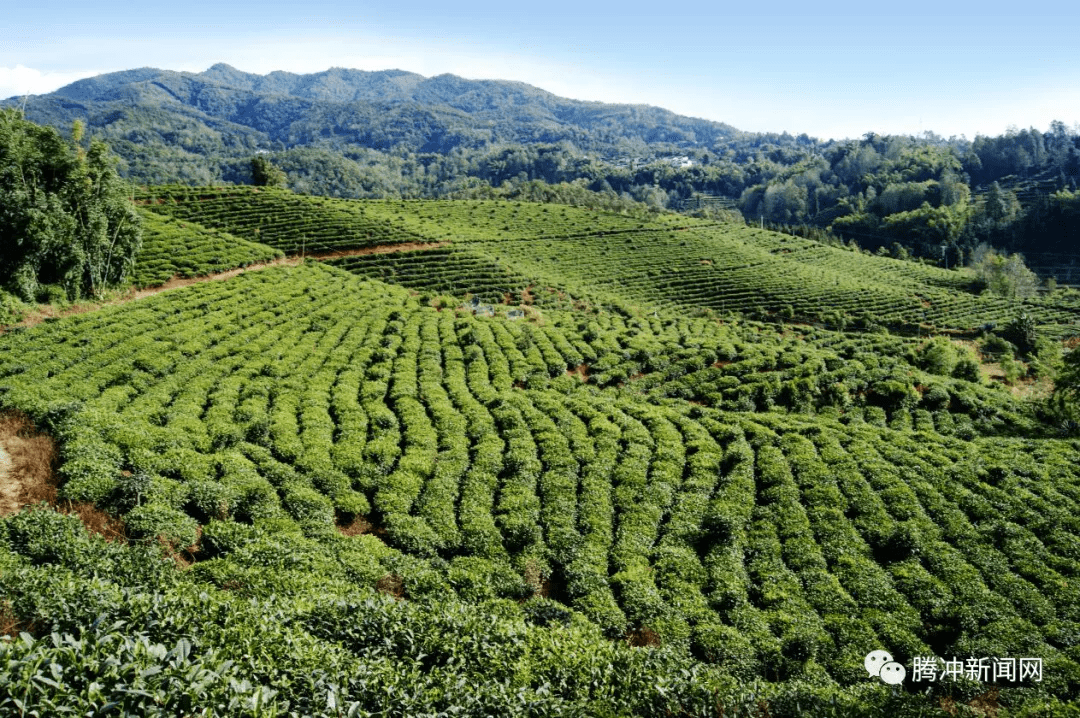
613, 490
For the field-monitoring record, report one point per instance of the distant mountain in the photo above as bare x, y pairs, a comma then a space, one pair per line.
385, 110
361, 134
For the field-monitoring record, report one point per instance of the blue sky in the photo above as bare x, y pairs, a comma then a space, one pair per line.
830, 69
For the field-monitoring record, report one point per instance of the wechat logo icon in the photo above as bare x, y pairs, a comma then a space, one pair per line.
882, 665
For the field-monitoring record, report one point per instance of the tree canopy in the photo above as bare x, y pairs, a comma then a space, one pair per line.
65, 215
264, 174
1006, 276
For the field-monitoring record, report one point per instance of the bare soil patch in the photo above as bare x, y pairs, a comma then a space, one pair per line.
643, 637
581, 371
981, 705
97, 521
354, 525
177, 282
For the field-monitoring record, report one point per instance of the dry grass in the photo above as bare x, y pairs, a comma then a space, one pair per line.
96, 521
392, 585
355, 526
643, 637
26, 464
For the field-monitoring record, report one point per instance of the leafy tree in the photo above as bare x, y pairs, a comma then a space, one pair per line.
1005, 276
938, 356
1021, 332
998, 205
265, 174
65, 215
1065, 401
967, 368
1012, 369
1046, 360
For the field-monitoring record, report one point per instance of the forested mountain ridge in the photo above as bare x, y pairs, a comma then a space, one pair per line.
281, 105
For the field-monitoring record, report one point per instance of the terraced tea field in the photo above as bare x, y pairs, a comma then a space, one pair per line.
340, 497
465, 221
669, 261
442, 271
292, 223
760, 273
173, 248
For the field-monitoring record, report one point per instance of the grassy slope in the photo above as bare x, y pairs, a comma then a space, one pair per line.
761, 502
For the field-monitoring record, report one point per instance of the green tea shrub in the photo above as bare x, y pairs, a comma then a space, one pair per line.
1022, 333
874, 415
305, 504
935, 398
545, 612
91, 469
12, 309
893, 395
938, 356
220, 538
209, 500
44, 536
997, 346
150, 521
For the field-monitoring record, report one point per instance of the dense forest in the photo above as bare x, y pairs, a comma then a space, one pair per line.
65, 216
394, 134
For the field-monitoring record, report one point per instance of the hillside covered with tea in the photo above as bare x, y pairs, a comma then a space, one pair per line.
507, 458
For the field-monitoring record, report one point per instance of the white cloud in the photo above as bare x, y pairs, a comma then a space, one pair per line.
19, 80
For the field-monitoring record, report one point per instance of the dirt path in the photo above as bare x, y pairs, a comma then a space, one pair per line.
177, 282
26, 458
47, 312
379, 249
